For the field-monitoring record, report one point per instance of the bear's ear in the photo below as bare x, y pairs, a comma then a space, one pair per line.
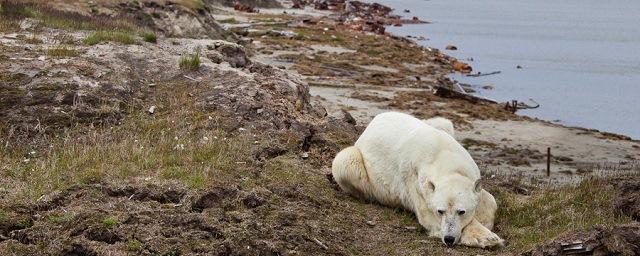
477, 186
430, 186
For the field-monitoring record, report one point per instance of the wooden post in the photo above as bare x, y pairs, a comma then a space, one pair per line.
548, 162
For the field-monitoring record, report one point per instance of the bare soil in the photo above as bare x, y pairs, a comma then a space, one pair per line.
615, 240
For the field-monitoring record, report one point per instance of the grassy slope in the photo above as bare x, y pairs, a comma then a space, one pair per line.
173, 146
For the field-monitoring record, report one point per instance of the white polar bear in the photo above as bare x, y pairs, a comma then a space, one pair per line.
401, 161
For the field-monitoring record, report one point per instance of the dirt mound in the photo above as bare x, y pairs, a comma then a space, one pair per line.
90, 219
100, 85
271, 102
628, 202
617, 240
173, 20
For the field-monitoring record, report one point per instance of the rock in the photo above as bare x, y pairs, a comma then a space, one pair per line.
244, 8
26, 24
451, 47
461, 66
215, 57
488, 87
176, 20
232, 53
348, 117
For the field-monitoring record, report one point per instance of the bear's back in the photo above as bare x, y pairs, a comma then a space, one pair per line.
394, 142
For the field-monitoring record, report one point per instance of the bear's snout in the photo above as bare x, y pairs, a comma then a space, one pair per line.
449, 240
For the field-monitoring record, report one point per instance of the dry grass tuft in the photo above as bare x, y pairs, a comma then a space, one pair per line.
50, 17
164, 146
149, 37
33, 39
190, 62
62, 51
527, 221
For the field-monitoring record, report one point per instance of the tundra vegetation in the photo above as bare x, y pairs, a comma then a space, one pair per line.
190, 62
181, 172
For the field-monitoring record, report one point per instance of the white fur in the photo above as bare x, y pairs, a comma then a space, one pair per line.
442, 124
401, 161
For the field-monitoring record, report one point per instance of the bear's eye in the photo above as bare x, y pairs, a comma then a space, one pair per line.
461, 212
440, 212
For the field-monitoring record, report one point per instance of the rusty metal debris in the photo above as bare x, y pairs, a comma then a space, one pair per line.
576, 247
360, 16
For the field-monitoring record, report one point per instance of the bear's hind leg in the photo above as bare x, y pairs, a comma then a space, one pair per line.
486, 210
349, 172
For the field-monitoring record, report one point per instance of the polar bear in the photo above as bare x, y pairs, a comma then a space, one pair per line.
442, 124
401, 161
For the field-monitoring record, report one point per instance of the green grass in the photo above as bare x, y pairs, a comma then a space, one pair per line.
61, 52
142, 146
110, 222
122, 37
229, 21
149, 37
193, 179
134, 245
546, 214
193, 4
57, 219
190, 62
25, 223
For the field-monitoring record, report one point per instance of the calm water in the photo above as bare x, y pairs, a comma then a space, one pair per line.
580, 58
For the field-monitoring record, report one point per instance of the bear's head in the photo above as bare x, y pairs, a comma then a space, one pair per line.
453, 201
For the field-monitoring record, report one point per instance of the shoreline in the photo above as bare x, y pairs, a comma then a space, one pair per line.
545, 78
516, 153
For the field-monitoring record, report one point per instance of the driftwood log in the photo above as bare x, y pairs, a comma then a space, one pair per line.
484, 74
450, 93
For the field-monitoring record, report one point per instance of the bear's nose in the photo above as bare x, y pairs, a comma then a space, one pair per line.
449, 240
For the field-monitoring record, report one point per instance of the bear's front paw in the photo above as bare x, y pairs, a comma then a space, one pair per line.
481, 239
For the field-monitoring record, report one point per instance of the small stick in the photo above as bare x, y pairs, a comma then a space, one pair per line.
190, 78
320, 244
